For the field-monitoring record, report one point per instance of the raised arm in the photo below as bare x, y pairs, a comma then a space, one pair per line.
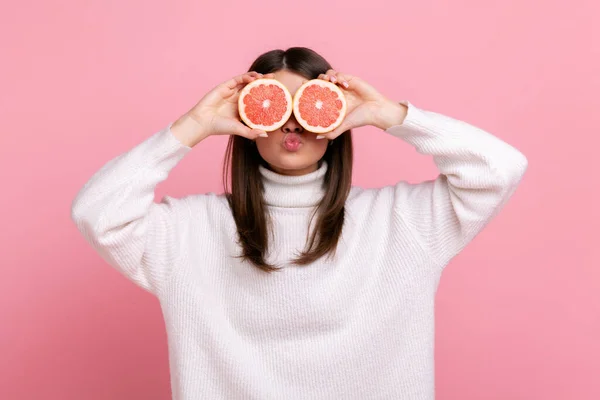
115, 210
478, 174
116, 213
478, 171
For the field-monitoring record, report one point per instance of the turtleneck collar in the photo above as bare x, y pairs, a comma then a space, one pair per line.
293, 191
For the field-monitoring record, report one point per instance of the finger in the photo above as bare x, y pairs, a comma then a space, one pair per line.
344, 80
241, 79
328, 136
339, 130
256, 133
247, 78
235, 91
233, 82
344, 126
247, 132
324, 77
338, 78
332, 74
324, 136
254, 74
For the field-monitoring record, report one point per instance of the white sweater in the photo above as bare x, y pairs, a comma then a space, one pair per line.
359, 326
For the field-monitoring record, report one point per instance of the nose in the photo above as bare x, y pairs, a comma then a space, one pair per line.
292, 125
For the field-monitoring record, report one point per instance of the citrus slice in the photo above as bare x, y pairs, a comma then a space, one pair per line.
319, 106
265, 104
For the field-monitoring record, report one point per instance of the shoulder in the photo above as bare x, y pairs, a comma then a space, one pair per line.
385, 195
198, 209
400, 200
196, 201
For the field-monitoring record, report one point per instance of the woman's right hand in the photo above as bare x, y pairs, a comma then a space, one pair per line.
217, 113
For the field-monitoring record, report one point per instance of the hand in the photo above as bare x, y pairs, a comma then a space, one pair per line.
217, 113
365, 105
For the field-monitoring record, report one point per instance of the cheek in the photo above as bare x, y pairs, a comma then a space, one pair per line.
267, 147
317, 147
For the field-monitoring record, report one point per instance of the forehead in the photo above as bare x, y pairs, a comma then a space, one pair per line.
291, 80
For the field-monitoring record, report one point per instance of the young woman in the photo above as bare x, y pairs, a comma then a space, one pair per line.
295, 285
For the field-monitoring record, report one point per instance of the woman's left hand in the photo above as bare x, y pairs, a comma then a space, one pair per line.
365, 105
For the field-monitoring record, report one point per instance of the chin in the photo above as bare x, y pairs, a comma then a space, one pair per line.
287, 166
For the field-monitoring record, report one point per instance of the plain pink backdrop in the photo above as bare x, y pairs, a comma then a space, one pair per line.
518, 312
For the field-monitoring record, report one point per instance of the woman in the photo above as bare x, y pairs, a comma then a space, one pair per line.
349, 312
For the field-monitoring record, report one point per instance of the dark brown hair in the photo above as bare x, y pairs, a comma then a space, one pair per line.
245, 198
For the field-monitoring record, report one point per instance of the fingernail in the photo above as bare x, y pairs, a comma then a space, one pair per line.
320, 137
345, 84
333, 79
263, 135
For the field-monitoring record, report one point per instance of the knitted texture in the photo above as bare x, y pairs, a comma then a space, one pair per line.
357, 326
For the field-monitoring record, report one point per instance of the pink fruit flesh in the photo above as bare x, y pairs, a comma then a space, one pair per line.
329, 106
265, 104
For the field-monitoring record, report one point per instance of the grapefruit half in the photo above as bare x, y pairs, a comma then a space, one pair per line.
265, 104
319, 106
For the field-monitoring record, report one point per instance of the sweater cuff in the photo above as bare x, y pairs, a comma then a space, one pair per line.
409, 119
418, 127
165, 150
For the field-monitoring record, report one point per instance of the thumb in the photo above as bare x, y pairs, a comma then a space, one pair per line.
355, 119
344, 126
232, 126
247, 132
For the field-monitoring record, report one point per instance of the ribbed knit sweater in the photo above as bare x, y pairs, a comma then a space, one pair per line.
357, 326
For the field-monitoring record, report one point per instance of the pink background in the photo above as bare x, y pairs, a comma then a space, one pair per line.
518, 313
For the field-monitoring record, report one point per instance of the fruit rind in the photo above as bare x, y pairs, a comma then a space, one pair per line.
302, 121
242, 106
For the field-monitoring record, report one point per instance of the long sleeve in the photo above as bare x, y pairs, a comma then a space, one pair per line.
478, 174
116, 212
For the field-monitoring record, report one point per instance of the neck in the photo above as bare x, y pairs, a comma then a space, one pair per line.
293, 191
295, 172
